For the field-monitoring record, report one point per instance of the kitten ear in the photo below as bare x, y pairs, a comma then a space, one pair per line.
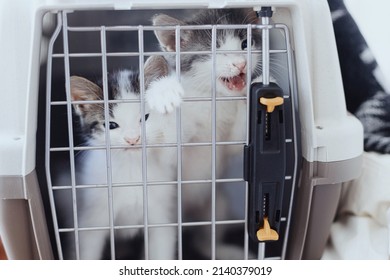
166, 38
155, 67
251, 17
82, 89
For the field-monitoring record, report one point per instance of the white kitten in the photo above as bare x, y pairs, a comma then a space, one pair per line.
123, 166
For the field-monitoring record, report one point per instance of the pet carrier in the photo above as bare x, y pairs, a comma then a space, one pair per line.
281, 182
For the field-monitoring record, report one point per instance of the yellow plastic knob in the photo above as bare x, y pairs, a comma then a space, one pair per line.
271, 103
266, 233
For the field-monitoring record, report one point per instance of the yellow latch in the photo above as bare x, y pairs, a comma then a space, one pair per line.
266, 233
271, 103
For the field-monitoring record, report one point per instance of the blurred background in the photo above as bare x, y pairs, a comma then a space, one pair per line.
373, 19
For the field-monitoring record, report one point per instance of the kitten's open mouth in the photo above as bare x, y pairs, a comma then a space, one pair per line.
235, 83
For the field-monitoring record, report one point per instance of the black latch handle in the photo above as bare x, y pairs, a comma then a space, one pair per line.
265, 154
265, 161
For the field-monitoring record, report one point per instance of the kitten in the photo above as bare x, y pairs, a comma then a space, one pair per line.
126, 164
365, 96
231, 70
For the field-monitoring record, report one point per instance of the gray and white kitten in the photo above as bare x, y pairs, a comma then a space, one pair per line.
124, 167
231, 71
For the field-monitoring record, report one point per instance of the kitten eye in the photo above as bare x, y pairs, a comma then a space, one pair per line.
113, 125
244, 44
146, 117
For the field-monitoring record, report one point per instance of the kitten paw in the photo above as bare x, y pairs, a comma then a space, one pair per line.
164, 95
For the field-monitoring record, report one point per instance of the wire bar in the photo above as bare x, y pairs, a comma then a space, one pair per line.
103, 54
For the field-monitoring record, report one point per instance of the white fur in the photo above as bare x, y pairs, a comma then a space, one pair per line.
199, 80
126, 164
126, 167
198, 83
164, 94
197, 127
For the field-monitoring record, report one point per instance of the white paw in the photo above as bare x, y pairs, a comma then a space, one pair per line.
165, 94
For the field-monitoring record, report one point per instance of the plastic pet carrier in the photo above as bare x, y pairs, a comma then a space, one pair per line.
271, 193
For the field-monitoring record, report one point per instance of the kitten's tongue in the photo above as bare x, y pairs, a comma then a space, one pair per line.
235, 83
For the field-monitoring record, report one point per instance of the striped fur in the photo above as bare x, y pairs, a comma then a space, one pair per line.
364, 94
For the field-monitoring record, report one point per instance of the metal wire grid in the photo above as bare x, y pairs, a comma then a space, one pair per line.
62, 25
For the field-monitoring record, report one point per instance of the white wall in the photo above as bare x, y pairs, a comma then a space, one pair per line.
373, 19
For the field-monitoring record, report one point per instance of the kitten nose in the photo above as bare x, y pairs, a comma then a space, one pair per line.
241, 66
132, 141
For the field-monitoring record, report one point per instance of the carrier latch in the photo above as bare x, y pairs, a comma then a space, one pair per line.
265, 161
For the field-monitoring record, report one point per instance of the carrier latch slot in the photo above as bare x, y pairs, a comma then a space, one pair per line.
265, 161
